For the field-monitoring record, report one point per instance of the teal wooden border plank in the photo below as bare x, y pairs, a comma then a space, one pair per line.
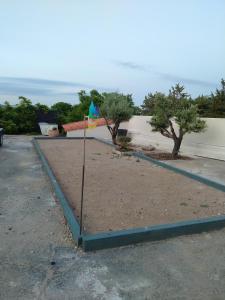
132, 236
68, 212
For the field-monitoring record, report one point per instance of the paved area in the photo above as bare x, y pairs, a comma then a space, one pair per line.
38, 260
210, 168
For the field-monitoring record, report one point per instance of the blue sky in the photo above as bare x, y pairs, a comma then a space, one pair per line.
51, 49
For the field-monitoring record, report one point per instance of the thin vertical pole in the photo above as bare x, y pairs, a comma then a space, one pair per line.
82, 184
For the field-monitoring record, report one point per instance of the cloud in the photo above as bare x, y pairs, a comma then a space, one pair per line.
184, 80
130, 65
9, 88
165, 76
40, 81
37, 87
40, 87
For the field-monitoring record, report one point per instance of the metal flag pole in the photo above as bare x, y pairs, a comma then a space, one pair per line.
82, 184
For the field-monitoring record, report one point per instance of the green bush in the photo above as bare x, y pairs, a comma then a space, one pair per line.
9, 126
123, 142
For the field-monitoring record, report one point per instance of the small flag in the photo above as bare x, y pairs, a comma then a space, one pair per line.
93, 111
93, 114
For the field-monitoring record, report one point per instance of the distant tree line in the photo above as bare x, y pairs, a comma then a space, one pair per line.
23, 117
212, 106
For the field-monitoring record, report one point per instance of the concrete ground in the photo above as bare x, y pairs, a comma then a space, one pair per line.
38, 260
210, 168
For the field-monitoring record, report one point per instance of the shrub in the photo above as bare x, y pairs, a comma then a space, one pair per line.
124, 142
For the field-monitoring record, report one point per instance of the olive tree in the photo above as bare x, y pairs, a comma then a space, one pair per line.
115, 108
175, 108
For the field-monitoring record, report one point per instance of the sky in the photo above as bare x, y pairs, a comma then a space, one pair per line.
51, 49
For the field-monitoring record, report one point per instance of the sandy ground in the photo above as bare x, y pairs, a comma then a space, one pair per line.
125, 192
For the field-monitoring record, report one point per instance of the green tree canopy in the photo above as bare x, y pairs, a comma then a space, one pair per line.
41, 107
212, 106
204, 105
177, 92
175, 108
218, 101
25, 115
8, 117
147, 108
85, 100
116, 108
62, 110
76, 114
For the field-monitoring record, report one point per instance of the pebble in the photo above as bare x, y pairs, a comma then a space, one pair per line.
116, 152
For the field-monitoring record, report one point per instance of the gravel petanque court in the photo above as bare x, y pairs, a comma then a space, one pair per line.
125, 192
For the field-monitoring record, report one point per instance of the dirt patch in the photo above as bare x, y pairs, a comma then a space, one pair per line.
165, 156
158, 154
124, 192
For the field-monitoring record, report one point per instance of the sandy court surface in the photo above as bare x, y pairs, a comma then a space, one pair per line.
125, 192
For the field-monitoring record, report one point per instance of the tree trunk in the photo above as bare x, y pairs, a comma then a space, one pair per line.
176, 147
114, 139
114, 132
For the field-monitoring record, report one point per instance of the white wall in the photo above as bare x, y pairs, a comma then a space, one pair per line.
99, 132
210, 143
